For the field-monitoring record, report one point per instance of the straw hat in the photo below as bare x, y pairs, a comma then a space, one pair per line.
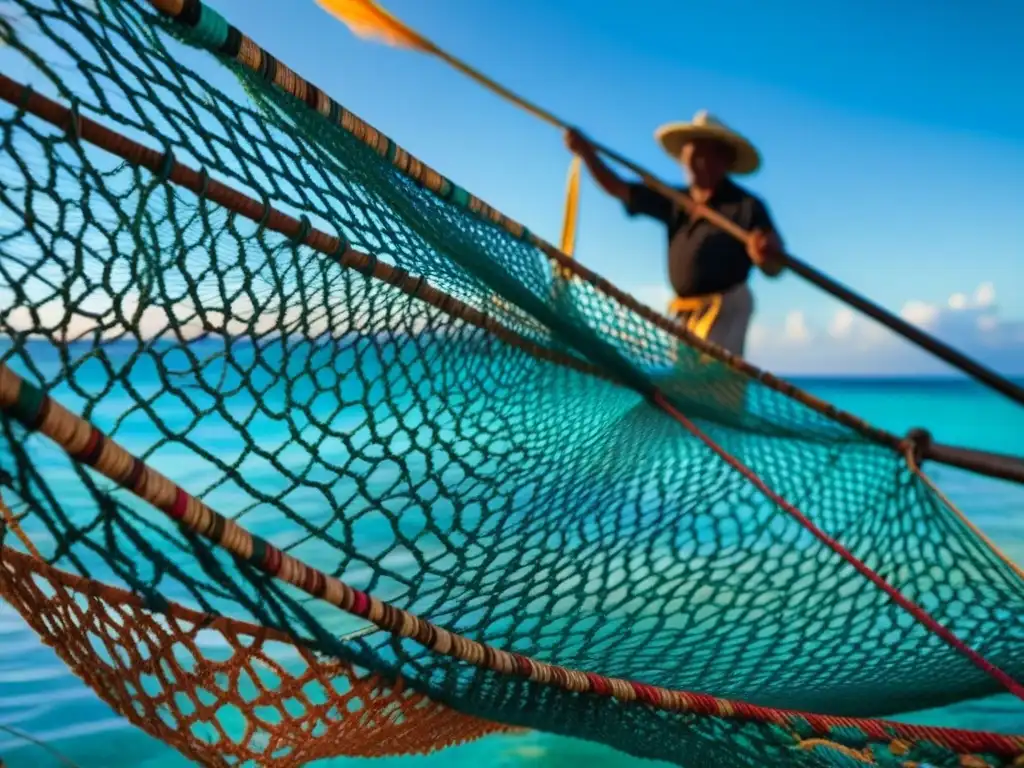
705, 126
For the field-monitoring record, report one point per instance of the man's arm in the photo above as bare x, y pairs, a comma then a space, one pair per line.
637, 198
605, 177
765, 245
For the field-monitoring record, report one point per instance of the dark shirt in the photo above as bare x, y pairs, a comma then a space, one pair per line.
702, 258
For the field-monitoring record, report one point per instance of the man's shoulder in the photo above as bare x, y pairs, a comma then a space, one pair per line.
642, 188
742, 192
674, 187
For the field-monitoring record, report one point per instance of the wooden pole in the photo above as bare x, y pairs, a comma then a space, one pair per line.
998, 465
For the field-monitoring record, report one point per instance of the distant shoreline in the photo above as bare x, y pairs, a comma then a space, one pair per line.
892, 379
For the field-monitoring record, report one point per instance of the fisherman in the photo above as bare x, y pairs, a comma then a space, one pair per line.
708, 268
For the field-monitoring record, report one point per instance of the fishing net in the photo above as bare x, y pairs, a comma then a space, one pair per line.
362, 387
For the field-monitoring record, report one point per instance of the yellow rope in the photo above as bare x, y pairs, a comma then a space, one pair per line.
570, 215
567, 244
702, 312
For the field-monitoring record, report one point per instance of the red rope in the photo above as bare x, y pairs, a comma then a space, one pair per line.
911, 607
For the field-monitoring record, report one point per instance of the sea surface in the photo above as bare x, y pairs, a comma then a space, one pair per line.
39, 696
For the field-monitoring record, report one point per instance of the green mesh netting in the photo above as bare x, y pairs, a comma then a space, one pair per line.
516, 501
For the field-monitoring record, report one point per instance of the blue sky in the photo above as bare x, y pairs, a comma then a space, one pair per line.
893, 137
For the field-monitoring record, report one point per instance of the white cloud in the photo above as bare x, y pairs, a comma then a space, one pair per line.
842, 323
969, 321
922, 314
959, 306
796, 326
985, 296
956, 301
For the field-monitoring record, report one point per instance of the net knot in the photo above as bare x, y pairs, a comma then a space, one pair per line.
204, 182
915, 444
267, 210
304, 228
167, 163
341, 248
26, 96
371, 264
7, 37
75, 123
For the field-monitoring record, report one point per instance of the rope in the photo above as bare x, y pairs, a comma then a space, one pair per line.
547, 442
68, 611
922, 616
567, 243
272, 219
701, 311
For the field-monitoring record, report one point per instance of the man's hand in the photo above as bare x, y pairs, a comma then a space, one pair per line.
578, 144
765, 250
605, 177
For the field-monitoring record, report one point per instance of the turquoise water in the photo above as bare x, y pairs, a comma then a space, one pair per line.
40, 697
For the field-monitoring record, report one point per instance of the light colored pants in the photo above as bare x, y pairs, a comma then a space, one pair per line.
723, 320
728, 328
